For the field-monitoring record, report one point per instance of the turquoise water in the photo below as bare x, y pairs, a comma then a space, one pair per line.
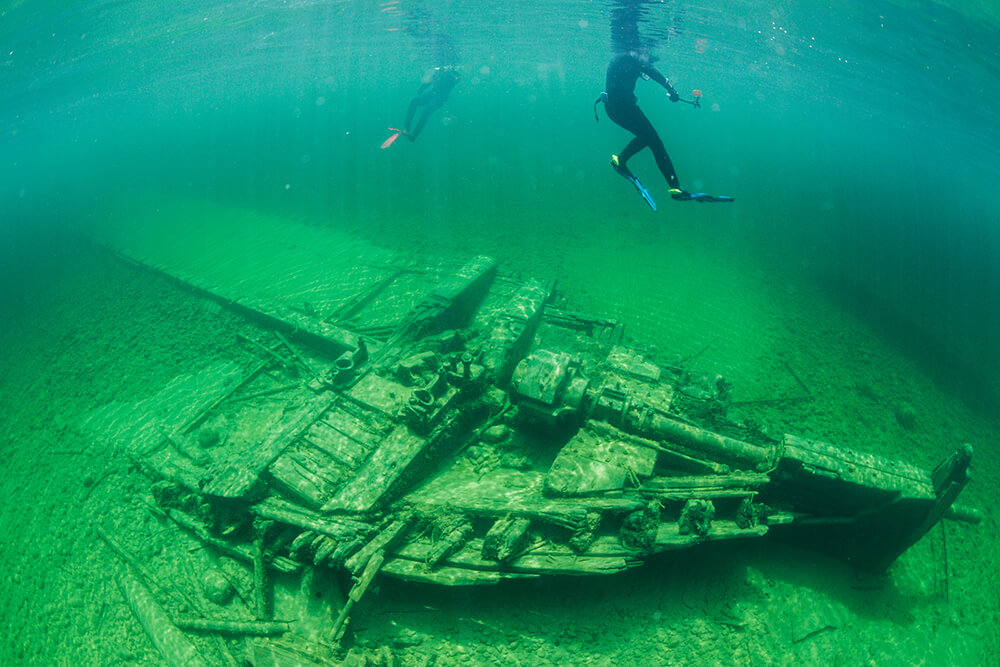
858, 138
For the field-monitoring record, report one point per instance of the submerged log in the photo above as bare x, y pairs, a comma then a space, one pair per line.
175, 648
383, 541
455, 537
248, 628
506, 539
260, 597
357, 592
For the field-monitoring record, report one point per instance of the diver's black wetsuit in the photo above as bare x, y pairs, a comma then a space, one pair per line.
432, 96
620, 104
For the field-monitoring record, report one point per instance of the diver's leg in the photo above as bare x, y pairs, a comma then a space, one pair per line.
426, 114
634, 120
663, 160
633, 147
410, 111
647, 136
628, 117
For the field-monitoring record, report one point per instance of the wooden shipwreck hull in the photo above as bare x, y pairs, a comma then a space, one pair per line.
467, 432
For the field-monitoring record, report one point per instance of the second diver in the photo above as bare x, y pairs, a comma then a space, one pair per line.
431, 95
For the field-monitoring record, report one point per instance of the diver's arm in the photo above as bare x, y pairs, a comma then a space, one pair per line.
652, 73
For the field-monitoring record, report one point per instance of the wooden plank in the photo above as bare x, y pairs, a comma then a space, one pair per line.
543, 559
282, 511
668, 534
303, 478
733, 485
340, 444
860, 468
323, 336
503, 491
513, 329
174, 647
416, 572
735, 480
382, 469
233, 479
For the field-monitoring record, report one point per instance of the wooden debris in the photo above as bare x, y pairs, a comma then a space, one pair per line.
323, 551
417, 572
203, 413
248, 628
192, 525
295, 353
383, 541
452, 302
668, 535
386, 465
455, 536
734, 485
151, 579
284, 512
129, 559
356, 593
265, 392
239, 475
667, 456
260, 597
353, 306
282, 360
187, 450
507, 538
175, 648
513, 329
281, 652
798, 380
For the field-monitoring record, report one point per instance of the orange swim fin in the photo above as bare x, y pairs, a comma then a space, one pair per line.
392, 138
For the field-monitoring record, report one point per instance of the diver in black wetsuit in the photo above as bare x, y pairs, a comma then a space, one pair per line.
432, 39
631, 60
620, 103
432, 95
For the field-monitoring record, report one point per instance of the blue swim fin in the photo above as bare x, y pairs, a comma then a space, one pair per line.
630, 177
704, 198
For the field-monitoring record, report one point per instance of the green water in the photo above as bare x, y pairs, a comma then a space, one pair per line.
858, 138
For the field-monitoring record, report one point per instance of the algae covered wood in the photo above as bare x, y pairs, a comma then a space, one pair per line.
512, 330
382, 469
512, 492
478, 436
173, 646
736, 485
507, 538
590, 464
234, 478
227, 627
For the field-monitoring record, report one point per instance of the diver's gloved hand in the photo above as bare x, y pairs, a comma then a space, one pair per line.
672, 94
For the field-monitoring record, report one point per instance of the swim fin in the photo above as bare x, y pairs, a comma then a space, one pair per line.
683, 195
631, 178
392, 138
